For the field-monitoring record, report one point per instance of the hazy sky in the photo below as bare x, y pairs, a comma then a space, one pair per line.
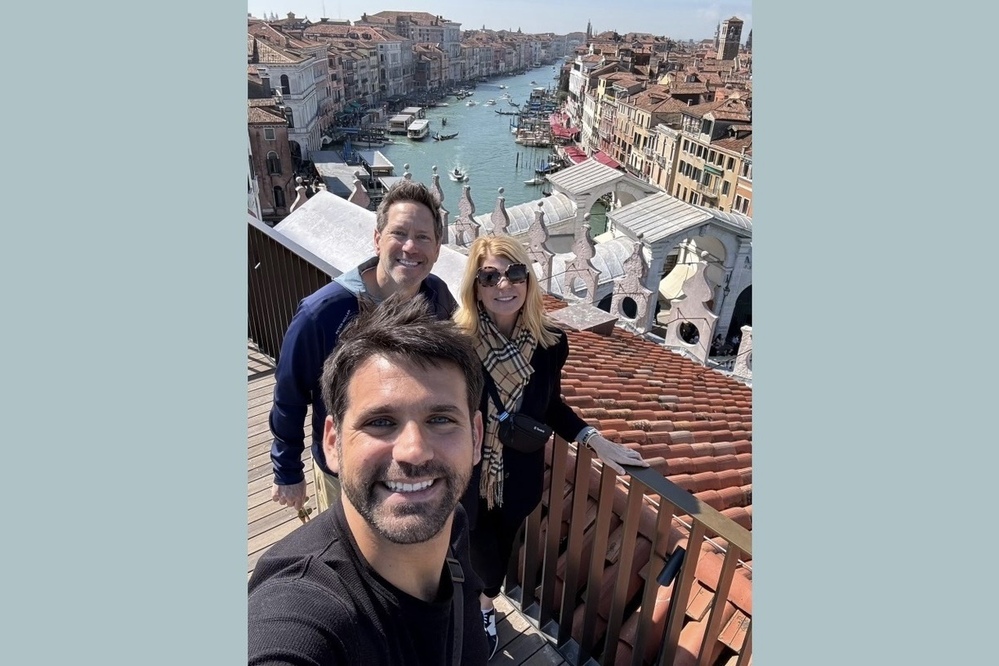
679, 19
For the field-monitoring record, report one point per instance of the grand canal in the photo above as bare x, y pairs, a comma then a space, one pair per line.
484, 147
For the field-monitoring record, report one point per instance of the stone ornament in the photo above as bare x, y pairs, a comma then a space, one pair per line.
465, 228
500, 218
582, 267
435, 187
537, 248
691, 308
300, 196
632, 285
359, 196
743, 366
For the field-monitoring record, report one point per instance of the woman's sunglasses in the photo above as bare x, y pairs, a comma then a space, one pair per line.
490, 277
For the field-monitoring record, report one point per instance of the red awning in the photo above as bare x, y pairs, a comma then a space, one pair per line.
574, 154
604, 159
559, 123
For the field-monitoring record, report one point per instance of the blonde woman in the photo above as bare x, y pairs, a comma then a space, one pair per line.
522, 355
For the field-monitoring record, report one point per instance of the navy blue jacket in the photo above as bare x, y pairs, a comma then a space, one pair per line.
311, 337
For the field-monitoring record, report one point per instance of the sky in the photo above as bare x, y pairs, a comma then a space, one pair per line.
677, 19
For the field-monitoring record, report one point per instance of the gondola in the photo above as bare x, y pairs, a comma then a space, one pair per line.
444, 137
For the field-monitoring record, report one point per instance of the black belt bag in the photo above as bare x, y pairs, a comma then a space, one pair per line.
518, 431
522, 433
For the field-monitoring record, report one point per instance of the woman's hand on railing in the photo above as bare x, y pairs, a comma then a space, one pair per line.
615, 455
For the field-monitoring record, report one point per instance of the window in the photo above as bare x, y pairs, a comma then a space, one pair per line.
725, 187
290, 116
268, 133
278, 197
731, 164
273, 164
285, 86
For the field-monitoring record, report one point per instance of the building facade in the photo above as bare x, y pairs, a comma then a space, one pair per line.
298, 71
271, 164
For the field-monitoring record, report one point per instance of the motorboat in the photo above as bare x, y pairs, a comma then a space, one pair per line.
471, 102
537, 180
457, 175
490, 102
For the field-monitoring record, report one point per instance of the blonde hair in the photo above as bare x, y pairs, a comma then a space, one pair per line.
532, 313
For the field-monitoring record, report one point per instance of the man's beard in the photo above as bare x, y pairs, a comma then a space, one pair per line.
414, 523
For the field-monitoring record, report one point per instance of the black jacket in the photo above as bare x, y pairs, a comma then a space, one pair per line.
314, 601
524, 472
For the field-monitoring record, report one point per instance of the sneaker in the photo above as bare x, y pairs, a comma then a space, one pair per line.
489, 624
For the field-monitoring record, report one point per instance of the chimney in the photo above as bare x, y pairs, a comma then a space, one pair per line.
265, 80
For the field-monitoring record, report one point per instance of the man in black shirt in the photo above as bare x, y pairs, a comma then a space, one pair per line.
384, 577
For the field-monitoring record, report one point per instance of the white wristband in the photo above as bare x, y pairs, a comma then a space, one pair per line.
588, 434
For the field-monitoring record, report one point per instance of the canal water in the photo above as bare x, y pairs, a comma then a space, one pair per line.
484, 147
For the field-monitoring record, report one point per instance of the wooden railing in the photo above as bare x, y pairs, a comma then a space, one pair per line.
280, 274
585, 586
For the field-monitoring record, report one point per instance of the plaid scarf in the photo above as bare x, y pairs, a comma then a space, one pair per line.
508, 363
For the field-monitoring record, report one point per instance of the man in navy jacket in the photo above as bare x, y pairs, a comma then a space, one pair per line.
408, 236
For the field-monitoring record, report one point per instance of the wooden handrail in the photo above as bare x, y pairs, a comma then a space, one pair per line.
579, 562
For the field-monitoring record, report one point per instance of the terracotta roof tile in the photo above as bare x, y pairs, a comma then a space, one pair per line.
693, 424
741, 515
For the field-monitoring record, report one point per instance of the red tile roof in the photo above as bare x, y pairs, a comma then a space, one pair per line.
265, 116
694, 425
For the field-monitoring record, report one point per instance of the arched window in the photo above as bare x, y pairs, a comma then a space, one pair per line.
285, 86
273, 164
278, 197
